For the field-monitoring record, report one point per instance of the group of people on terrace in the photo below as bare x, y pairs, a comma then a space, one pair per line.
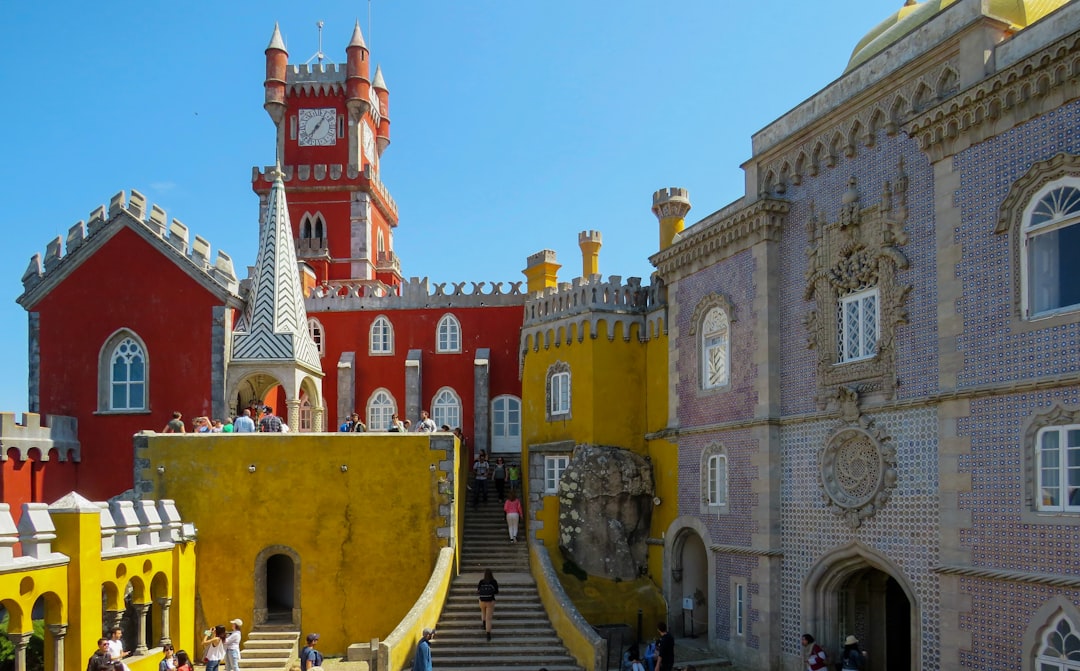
253, 419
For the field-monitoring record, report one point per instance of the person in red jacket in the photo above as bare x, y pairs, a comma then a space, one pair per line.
814, 657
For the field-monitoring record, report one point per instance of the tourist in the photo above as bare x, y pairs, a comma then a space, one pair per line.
201, 425
665, 649
498, 474
183, 662
514, 513
422, 660
217, 426
168, 662
480, 470
244, 423
232, 646
427, 424
851, 659
486, 590
309, 656
513, 475
396, 426
813, 655
176, 424
228, 427
270, 423
358, 425
214, 641
347, 425
116, 647
99, 661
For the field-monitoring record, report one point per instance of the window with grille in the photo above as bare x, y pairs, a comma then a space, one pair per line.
446, 408
128, 376
380, 410
715, 349
1060, 650
448, 335
382, 336
858, 325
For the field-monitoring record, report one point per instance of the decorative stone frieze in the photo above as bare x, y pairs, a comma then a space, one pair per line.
860, 249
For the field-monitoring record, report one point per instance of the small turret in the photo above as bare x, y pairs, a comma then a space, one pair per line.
357, 80
590, 242
541, 271
277, 62
382, 137
670, 206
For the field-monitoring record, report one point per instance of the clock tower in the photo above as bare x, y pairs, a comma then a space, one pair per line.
332, 128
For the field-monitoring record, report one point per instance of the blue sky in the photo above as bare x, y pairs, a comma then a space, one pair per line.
515, 124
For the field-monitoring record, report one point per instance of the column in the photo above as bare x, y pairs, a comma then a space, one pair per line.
114, 618
20, 641
164, 602
58, 632
317, 422
141, 609
293, 418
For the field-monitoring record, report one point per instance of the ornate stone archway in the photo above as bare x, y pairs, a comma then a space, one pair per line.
685, 537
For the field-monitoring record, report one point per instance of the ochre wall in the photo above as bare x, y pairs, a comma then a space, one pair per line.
366, 538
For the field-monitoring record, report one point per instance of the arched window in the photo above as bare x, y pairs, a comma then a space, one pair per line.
380, 410
1060, 648
714, 480
446, 408
381, 243
315, 330
312, 226
1050, 245
858, 324
123, 377
558, 391
382, 336
448, 335
715, 349
506, 424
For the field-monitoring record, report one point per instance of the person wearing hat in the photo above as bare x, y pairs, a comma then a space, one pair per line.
851, 659
422, 660
232, 646
309, 656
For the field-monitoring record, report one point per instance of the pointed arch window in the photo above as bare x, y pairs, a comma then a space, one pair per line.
380, 410
448, 336
315, 330
312, 227
446, 408
715, 349
382, 336
1050, 244
1060, 648
123, 374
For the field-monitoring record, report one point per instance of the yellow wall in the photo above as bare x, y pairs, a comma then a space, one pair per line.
366, 537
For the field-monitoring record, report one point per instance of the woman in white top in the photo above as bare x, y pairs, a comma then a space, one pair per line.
215, 647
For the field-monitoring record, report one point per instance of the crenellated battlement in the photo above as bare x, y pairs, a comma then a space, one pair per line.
672, 201
316, 78
322, 173
59, 433
129, 209
348, 295
591, 294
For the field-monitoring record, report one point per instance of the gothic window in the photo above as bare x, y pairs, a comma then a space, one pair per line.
1060, 648
714, 480
380, 410
446, 408
858, 325
1057, 468
381, 243
382, 336
1051, 243
506, 424
558, 391
715, 349
448, 335
312, 227
306, 414
123, 374
315, 330
554, 466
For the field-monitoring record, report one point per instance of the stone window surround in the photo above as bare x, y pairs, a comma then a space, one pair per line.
860, 297
557, 368
1058, 415
1011, 217
105, 374
381, 320
707, 508
449, 325
701, 312
371, 404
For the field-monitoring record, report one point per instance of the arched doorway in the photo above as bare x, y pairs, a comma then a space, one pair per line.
856, 591
277, 586
689, 580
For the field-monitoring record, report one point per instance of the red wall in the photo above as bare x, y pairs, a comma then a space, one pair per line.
127, 283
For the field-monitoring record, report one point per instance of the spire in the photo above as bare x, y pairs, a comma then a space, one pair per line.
357, 37
379, 82
273, 326
275, 40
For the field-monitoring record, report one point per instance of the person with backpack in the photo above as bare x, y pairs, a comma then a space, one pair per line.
309, 656
486, 590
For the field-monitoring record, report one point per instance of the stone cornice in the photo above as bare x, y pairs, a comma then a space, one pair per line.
1051, 579
1026, 89
710, 241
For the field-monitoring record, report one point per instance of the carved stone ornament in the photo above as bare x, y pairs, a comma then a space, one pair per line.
858, 466
861, 249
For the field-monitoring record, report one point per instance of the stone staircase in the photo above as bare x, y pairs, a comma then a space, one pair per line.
269, 647
522, 637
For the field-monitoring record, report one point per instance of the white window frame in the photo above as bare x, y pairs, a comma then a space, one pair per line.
866, 300
306, 416
1053, 470
446, 408
506, 424
317, 333
133, 349
715, 349
380, 403
717, 480
554, 467
1057, 206
559, 401
1051, 658
381, 336
448, 335
740, 609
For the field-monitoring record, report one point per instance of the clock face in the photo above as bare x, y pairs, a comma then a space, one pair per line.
369, 145
318, 127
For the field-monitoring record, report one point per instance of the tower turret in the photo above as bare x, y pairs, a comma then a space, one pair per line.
670, 206
383, 136
541, 271
357, 80
590, 242
277, 62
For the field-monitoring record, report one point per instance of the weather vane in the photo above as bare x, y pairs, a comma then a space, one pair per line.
319, 54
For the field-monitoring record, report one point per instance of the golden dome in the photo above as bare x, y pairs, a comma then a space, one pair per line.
1018, 13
